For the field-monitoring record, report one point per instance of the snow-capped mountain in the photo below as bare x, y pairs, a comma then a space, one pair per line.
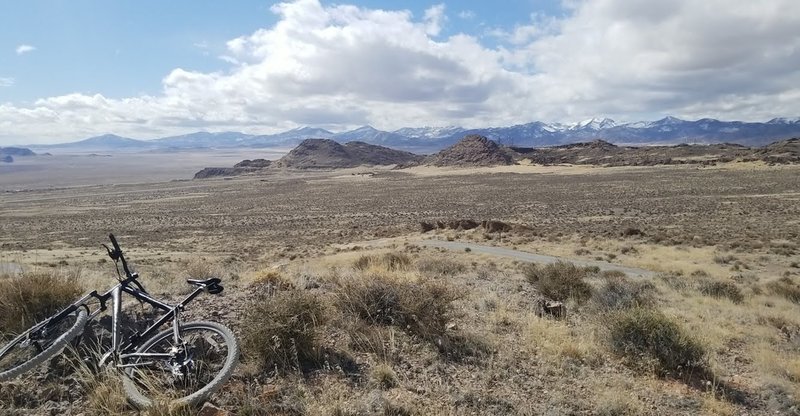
429, 132
594, 124
668, 130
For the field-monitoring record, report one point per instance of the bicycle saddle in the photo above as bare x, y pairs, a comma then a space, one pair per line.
212, 285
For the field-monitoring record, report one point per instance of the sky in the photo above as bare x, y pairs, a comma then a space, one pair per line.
146, 69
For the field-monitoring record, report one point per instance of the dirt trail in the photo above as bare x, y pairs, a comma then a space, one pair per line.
531, 257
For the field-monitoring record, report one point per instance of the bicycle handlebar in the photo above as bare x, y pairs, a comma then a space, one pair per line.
117, 254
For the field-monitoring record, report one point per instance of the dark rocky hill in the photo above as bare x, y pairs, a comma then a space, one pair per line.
16, 151
329, 154
257, 163
599, 152
220, 172
472, 150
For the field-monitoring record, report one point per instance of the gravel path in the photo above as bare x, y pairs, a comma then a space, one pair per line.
533, 258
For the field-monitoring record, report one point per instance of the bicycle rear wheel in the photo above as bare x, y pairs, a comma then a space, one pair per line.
40, 343
199, 365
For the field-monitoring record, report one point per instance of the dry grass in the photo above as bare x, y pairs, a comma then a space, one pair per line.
422, 308
647, 338
619, 292
283, 330
785, 287
559, 281
33, 296
721, 289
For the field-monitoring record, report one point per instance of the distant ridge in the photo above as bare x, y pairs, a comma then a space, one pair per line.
475, 150
666, 131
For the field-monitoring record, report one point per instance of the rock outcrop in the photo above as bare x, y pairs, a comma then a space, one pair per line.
472, 150
329, 154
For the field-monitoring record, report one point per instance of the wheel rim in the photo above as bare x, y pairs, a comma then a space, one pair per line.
194, 364
26, 347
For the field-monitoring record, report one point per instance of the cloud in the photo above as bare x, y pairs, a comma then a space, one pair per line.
434, 17
6, 82
23, 49
676, 57
466, 14
343, 66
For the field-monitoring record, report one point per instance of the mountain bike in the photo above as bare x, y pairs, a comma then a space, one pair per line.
182, 365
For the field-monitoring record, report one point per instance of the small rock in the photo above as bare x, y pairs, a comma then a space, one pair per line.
209, 409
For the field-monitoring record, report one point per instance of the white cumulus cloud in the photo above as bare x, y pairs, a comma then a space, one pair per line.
340, 66
23, 49
6, 82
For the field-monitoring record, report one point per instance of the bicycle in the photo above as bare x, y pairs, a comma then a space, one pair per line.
189, 360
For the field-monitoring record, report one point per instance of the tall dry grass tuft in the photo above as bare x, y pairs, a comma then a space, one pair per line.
33, 296
282, 330
422, 308
391, 261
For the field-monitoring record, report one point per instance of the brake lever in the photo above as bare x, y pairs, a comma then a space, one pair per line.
112, 253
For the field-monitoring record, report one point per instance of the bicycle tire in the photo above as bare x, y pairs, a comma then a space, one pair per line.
48, 352
141, 401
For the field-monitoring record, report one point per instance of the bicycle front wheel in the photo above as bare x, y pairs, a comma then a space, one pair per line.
196, 366
40, 343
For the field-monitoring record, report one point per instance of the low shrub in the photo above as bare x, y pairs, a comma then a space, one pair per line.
721, 289
283, 330
622, 293
420, 308
785, 287
439, 266
559, 281
31, 297
384, 376
645, 337
388, 261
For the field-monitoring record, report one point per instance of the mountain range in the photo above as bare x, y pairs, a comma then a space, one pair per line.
669, 130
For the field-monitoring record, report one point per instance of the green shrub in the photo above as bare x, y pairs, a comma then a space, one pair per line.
31, 297
283, 330
721, 289
559, 281
622, 293
647, 337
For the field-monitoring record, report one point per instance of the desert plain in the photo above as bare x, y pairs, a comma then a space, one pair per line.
720, 242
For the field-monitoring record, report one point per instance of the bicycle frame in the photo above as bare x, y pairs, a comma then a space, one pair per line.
120, 351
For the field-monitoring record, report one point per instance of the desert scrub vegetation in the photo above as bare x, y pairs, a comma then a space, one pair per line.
619, 292
646, 338
439, 266
33, 296
423, 308
785, 287
559, 281
721, 289
389, 261
283, 330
